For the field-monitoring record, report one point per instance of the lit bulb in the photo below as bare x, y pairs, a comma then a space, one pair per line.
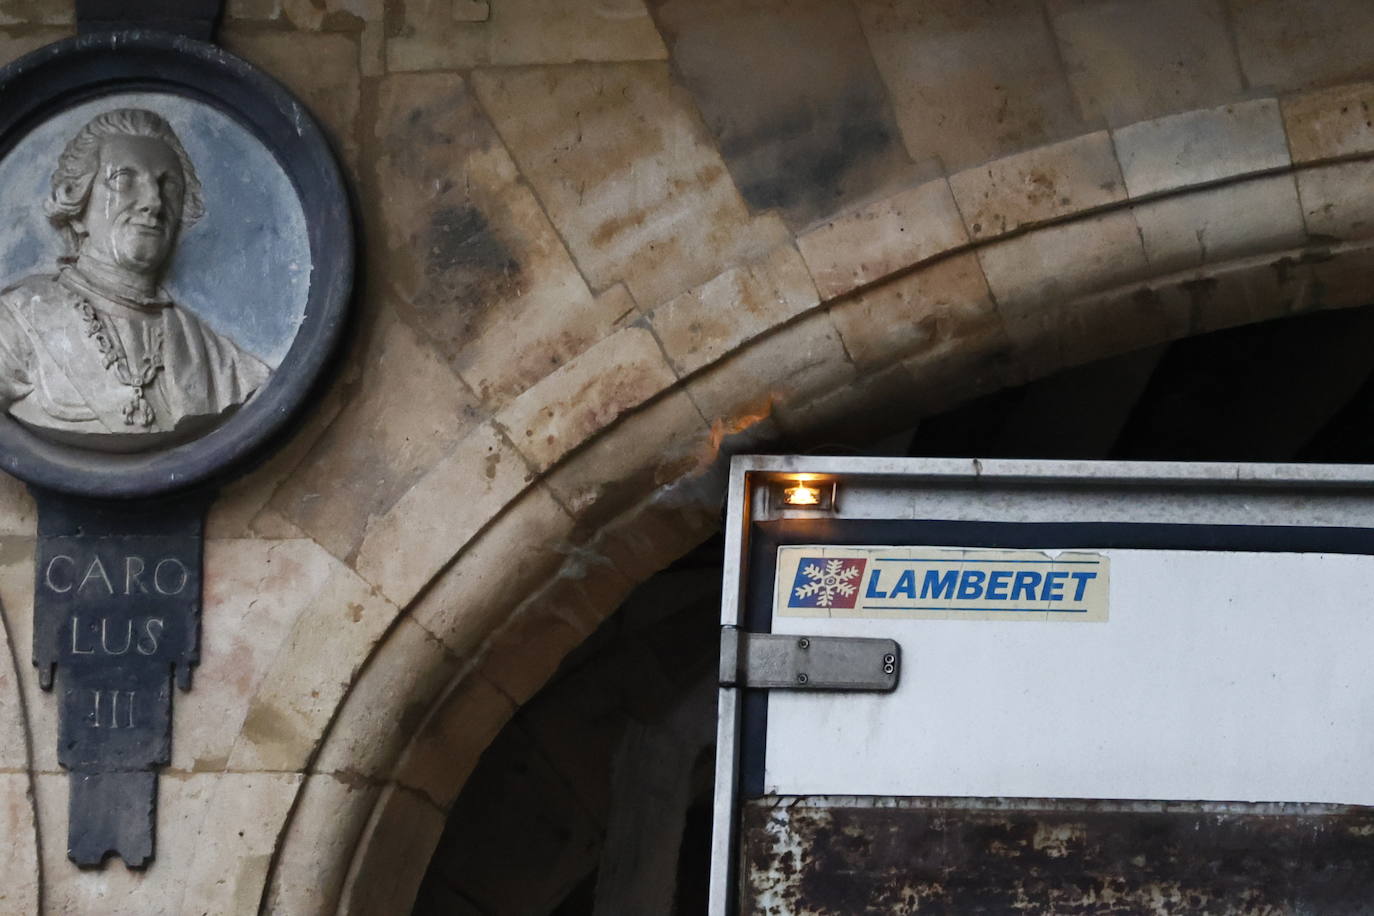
801, 495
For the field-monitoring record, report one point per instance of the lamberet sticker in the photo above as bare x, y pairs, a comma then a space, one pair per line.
941, 583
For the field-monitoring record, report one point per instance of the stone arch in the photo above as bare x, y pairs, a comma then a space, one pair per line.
1042, 260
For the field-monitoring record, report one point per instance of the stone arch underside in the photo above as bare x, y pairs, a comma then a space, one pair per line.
905, 306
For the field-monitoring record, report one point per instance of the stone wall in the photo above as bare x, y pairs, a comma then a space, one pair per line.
605, 245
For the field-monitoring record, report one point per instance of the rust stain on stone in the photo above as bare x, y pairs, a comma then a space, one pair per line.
265, 725
608, 230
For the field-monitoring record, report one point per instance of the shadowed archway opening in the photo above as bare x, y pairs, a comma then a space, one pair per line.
595, 798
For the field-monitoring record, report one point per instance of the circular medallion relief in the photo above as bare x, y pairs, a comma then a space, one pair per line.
175, 258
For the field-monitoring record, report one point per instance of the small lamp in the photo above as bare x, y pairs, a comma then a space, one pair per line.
805, 491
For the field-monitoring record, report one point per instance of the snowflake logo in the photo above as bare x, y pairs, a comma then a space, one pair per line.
827, 583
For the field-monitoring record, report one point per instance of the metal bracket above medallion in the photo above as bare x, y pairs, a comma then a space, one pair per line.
779, 662
192, 18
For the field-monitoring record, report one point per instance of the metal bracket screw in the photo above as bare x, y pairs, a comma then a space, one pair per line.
802, 678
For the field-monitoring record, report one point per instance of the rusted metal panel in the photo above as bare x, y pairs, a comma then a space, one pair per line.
821, 857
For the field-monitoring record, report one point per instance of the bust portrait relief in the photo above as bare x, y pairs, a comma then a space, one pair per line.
97, 350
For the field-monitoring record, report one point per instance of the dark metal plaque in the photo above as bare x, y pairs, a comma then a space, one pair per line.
193, 18
116, 619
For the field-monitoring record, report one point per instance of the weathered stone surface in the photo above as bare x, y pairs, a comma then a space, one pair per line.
787, 368
528, 649
239, 508
1032, 275
470, 599
1342, 279
18, 515
627, 173
809, 133
471, 10
235, 843
871, 242
1330, 122
453, 34
45, 12
1337, 203
16, 43
1201, 146
453, 737
1130, 61
334, 632
586, 395
638, 543
943, 303
116, 890
946, 376
271, 524
1063, 261
1294, 44
469, 248
369, 732
393, 853
666, 440
860, 411
19, 874
322, 69
252, 594
702, 324
405, 548
1237, 293
1110, 323
617, 301
252, 10
314, 850
19, 885
1039, 184
970, 84
211, 865
372, 49
14, 732
16, 600
396, 427
1220, 223
345, 15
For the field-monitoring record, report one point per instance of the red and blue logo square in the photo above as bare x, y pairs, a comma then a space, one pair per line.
827, 582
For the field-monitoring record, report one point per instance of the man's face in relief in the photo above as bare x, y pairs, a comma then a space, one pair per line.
134, 211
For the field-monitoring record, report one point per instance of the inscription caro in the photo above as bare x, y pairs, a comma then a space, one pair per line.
168, 576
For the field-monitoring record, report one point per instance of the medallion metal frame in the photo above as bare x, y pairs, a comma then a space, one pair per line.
90, 66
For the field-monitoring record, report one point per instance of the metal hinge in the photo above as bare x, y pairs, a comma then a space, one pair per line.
807, 662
